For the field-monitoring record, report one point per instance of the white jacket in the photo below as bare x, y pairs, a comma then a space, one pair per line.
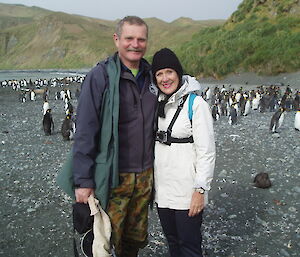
182, 167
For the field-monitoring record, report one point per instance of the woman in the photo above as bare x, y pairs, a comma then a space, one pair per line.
184, 155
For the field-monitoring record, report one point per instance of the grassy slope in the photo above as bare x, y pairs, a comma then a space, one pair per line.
40, 39
261, 36
57, 40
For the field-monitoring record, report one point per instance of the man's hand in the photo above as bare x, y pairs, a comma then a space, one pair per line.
82, 194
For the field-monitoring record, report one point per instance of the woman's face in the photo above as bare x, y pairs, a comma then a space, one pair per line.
167, 80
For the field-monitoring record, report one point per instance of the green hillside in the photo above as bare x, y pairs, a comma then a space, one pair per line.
262, 36
13, 15
34, 38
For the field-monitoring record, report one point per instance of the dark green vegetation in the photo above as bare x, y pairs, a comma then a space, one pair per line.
262, 36
34, 38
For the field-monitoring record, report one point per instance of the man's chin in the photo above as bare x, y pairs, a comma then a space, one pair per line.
135, 56
131, 60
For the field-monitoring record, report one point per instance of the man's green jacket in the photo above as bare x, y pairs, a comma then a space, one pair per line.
106, 174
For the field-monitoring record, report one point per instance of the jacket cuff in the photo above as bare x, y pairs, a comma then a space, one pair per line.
85, 183
201, 185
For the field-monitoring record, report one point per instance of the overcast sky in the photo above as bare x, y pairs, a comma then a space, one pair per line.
167, 10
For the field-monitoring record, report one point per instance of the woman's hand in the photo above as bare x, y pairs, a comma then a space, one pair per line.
197, 204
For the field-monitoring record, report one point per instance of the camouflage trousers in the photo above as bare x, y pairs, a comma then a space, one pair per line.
128, 211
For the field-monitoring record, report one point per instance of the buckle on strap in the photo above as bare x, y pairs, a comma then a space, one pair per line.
162, 137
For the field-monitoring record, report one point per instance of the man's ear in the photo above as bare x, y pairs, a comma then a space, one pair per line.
115, 36
116, 39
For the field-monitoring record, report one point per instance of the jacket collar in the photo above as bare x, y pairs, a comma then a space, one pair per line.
144, 65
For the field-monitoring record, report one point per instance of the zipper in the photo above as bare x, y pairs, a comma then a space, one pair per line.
140, 97
143, 153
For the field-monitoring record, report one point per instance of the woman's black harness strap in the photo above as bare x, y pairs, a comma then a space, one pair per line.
165, 137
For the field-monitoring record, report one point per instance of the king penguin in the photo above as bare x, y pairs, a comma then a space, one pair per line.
247, 107
277, 120
232, 115
68, 128
297, 120
48, 124
255, 103
46, 106
215, 112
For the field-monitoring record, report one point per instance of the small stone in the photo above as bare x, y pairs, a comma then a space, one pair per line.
271, 211
26, 200
232, 216
224, 195
223, 173
278, 202
297, 189
276, 135
262, 222
284, 253
31, 210
292, 209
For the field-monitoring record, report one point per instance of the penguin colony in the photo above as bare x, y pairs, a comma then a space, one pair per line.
235, 104
227, 102
28, 91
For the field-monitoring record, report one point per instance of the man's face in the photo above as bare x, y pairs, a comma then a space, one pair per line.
132, 44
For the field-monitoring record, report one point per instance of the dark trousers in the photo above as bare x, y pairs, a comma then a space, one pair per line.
183, 233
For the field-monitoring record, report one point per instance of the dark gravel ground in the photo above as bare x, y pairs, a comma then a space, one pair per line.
240, 220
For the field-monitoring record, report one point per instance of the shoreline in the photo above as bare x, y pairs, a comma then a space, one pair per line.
252, 79
245, 80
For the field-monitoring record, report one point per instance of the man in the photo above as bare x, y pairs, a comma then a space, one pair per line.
128, 203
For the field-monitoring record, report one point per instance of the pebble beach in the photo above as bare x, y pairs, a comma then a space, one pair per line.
240, 219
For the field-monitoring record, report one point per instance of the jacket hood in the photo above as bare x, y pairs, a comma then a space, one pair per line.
189, 85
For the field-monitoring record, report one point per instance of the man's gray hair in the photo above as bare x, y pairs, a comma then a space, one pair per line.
132, 20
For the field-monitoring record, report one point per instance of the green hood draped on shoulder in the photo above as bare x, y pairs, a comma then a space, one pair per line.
106, 173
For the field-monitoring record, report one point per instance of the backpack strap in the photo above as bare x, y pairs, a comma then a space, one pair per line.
164, 137
180, 106
191, 101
